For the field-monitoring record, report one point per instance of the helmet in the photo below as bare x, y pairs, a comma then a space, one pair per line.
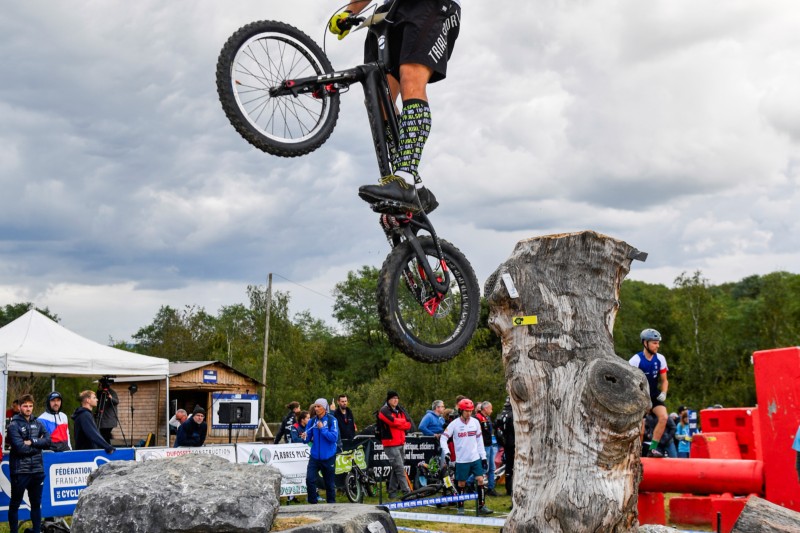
53, 395
466, 405
650, 334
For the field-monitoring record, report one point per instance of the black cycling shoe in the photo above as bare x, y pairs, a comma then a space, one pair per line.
393, 195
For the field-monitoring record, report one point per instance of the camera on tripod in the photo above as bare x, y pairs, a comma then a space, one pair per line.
105, 382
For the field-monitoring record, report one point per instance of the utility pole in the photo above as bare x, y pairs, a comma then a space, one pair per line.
266, 353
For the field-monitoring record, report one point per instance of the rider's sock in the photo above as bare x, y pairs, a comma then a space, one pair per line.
415, 126
481, 495
653, 444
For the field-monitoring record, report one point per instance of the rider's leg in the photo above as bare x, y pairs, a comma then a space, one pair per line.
415, 118
462, 488
661, 412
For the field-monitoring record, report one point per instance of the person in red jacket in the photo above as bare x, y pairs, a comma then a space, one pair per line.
393, 422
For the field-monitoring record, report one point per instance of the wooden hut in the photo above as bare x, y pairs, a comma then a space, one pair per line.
142, 409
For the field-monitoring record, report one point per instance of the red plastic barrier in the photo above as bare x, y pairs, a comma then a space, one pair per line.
777, 374
651, 508
702, 476
743, 421
715, 446
730, 509
690, 510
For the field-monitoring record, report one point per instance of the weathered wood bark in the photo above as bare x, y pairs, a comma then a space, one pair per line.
577, 406
761, 516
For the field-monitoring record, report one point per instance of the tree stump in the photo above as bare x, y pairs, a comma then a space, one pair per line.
578, 407
761, 516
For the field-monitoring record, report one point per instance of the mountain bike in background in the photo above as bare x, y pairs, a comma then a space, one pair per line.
280, 92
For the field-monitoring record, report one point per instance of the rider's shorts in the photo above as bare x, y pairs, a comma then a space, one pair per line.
424, 31
464, 470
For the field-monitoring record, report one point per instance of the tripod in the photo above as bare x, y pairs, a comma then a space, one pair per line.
105, 401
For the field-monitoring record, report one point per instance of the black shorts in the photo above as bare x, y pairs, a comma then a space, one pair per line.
424, 31
655, 401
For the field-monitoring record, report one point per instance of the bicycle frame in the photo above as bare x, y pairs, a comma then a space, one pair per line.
379, 105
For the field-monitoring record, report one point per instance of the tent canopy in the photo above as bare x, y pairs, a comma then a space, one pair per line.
34, 343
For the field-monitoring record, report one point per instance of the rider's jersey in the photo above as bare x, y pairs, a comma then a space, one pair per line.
467, 440
652, 369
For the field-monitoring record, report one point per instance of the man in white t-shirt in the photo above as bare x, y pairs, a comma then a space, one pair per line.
470, 452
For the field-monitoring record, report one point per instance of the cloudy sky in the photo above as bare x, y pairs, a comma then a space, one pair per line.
673, 125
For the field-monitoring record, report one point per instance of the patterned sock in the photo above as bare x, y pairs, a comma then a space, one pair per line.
415, 126
481, 495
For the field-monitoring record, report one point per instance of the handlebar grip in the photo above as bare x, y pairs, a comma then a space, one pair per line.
349, 22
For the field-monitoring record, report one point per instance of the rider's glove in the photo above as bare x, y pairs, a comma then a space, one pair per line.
447, 458
662, 397
485, 464
333, 24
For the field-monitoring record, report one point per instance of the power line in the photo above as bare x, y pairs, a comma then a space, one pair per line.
303, 286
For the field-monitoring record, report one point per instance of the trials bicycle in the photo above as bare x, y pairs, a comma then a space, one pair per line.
280, 92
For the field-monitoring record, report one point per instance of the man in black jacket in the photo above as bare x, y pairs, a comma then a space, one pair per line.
193, 431
504, 430
344, 415
27, 437
86, 435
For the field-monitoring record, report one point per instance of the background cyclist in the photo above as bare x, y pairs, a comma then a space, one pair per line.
469, 450
654, 366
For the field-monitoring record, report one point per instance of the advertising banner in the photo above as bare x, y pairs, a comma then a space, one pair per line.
290, 459
417, 449
226, 451
65, 478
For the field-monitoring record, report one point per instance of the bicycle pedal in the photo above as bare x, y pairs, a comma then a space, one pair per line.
390, 207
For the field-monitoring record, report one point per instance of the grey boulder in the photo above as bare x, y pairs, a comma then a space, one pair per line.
193, 493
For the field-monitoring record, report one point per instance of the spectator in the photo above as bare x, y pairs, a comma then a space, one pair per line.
504, 431
484, 416
86, 435
27, 437
393, 423
470, 452
177, 419
654, 367
11, 411
56, 423
683, 436
796, 448
285, 431
299, 427
193, 431
322, 431
347, 422
432, 424
107, 400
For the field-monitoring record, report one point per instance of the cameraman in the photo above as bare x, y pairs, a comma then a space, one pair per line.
107, 400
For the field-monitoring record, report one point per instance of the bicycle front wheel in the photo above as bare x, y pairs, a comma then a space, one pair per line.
260, 56
352, 488
426, 328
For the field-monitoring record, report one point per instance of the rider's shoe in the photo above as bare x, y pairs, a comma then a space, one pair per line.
393, 195
484, 510
656, 453
460, 511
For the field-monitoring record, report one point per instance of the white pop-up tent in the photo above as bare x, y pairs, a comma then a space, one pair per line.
35, 344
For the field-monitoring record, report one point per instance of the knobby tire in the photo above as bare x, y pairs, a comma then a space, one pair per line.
353, 488
261, 55
426, 338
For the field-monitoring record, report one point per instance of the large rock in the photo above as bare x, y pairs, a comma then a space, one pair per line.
192, 493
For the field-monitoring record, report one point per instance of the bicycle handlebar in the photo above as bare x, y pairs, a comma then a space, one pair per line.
349, 22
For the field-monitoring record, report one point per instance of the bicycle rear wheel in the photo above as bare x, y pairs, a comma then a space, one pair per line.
262, 55
440, 332
423, 492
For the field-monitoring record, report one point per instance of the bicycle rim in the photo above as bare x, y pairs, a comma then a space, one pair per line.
264, 61
352, 488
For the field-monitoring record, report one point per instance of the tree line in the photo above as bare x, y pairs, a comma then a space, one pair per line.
709, 331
